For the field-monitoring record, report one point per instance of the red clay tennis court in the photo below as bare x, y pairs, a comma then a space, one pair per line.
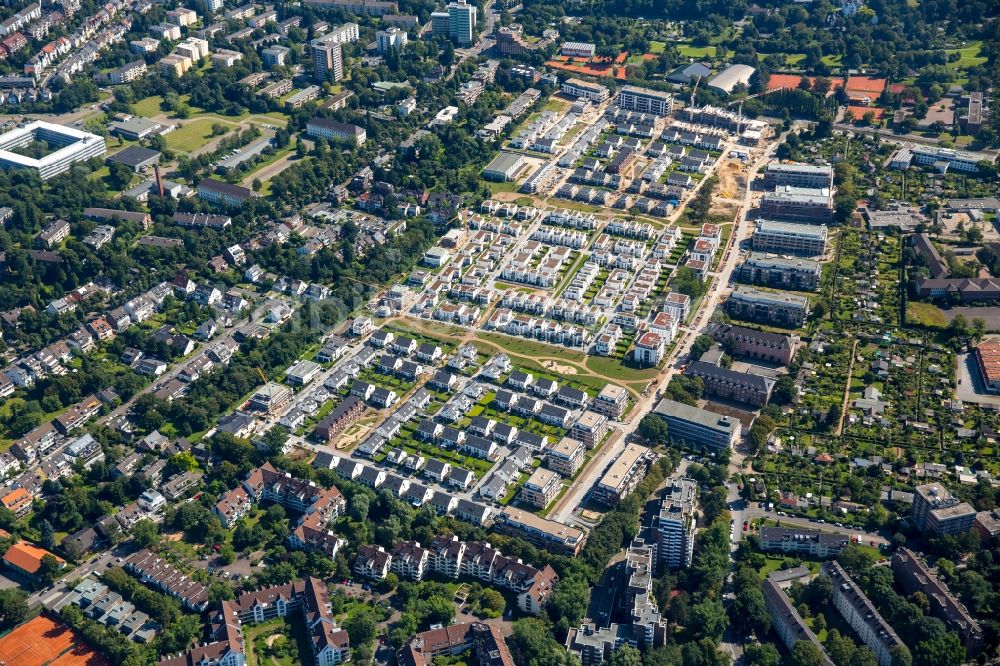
46, 641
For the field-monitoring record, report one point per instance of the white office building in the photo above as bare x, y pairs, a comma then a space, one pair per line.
71, 146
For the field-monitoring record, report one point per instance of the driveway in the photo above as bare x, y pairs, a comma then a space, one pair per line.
970, 383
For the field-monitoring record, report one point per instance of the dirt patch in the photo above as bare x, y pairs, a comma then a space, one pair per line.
273, 637
354, 434
559, 368
732, 180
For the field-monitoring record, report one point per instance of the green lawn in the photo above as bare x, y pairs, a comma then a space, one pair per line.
148, 107
831, 60
191, 135
506, 186
688, 51
657, 47
925, 314
969, 56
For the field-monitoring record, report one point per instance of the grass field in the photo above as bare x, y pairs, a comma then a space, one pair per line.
191, 135
969, 56
688, 51
148, 107
831, 60
506, 186
657, 47
925, 314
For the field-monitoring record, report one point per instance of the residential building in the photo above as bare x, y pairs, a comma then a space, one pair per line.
324, 128
224, 194
541, 488
698, 427
675, 525
611, 401
861, 614
801, 541
732, 385
805, 204
913, 575
756, 345
593, 92
937, 511
644, 100
790, 238
780, 272
786, 621
780, 174
542, 532
462, 22
623, 475
565, 456
778, 309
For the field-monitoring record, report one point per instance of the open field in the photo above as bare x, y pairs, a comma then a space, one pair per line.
193, 134
925, 314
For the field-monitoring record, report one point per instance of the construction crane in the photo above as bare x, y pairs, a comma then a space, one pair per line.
739, 122
694, 90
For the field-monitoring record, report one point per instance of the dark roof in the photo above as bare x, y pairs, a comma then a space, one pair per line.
701, 369
776, 339
135, 156
925, 248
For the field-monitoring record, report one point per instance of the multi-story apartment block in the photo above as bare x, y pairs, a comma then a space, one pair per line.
462, 22
541, 487
675, 525
731, 385
565, 456
781, 272
643, 100
757, 345
593, 92
790, 238
786, 621
805, 204
914, 576
549, 534
590, 428
780, 174
779, 309
859, 612
623, 475
801, 541
698, 427
937, 511
224, 194
611, 401
331, 130
409, 560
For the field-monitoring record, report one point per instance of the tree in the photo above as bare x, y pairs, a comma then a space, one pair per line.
570, 597
360, 626
626, 655
492, 602
46, 534
708, 619
146, 533
13, 607
943, 650
653, 429
701, 345
48, 569
119, 175
805, 653
762, 654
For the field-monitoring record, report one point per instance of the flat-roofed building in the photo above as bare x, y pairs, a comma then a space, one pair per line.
331, 130
698, 427
675, 525
504, 167
859, 612
937, 511
590, 428
581, 89
540, 531
779, 174
565, 456
805, 204
790, 238
772, 270
644, 100
611, 401
779, 309
541, 487
801, 541
623, 475
68, 146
